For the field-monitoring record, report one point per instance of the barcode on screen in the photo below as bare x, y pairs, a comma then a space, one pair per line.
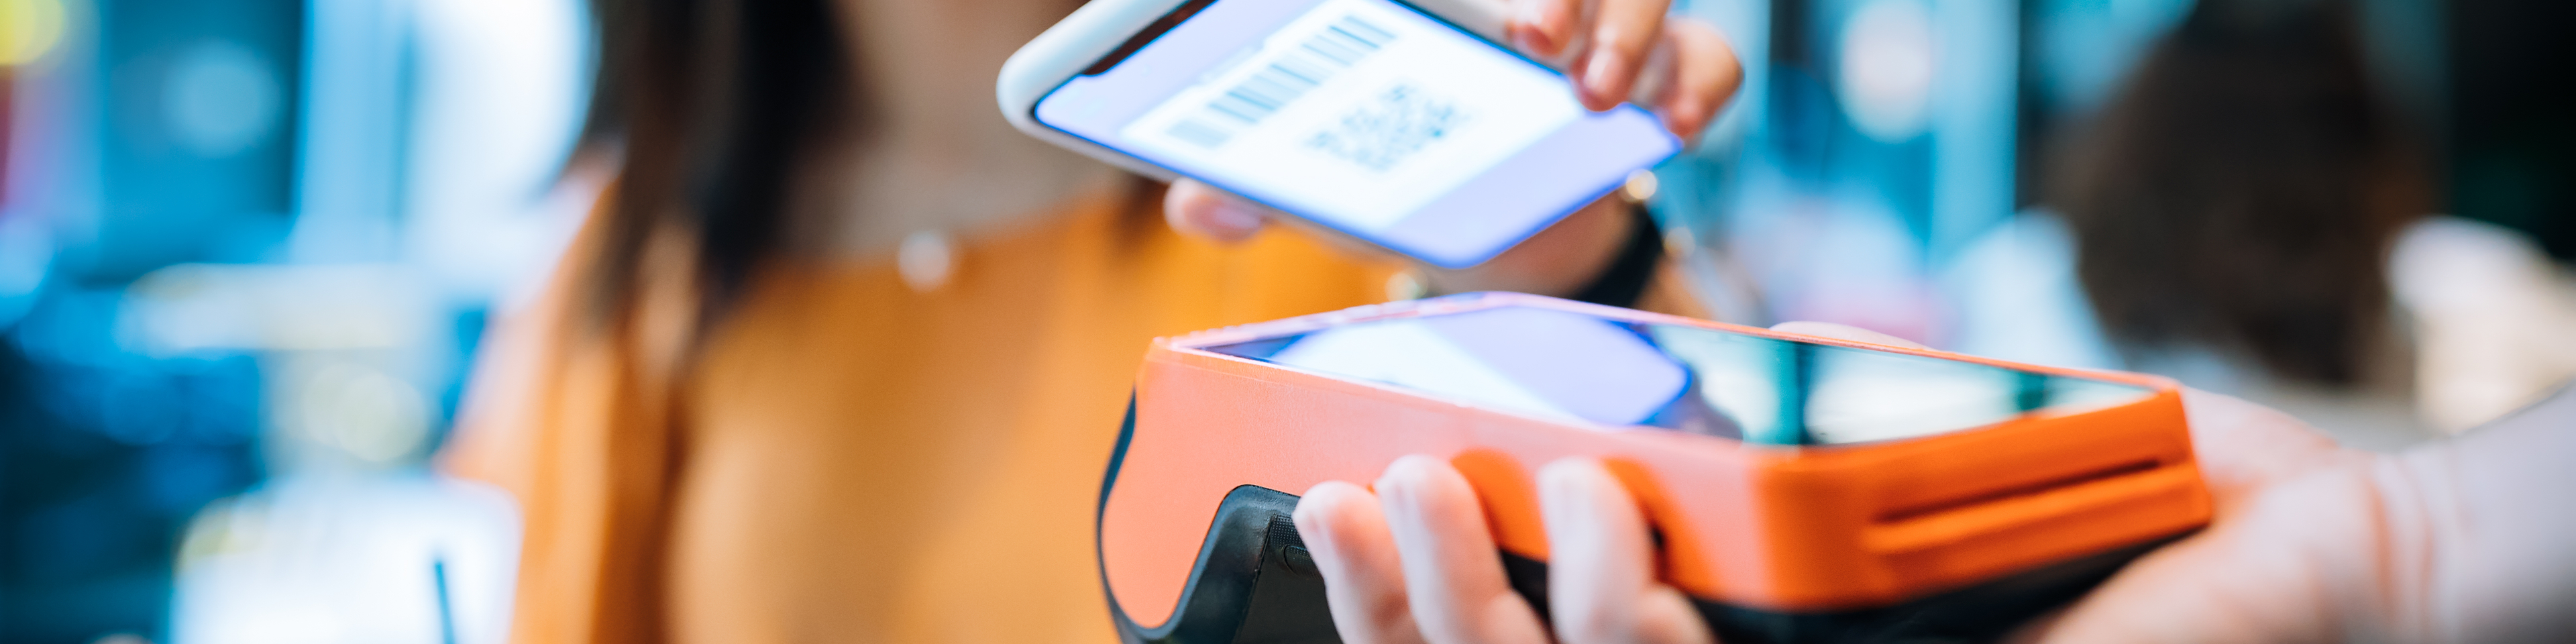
1294, 73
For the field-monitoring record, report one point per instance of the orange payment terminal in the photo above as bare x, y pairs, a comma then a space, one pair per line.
1801, 489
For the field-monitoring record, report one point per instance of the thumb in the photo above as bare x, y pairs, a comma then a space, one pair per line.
1845, 332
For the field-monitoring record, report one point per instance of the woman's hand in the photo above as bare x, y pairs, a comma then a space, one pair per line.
1607, 46
2294, 554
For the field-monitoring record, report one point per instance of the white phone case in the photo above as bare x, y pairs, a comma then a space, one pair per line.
1101, 25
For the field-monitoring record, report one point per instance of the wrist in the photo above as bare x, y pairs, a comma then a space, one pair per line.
2478, 529
2334, 552
2467, 542
1623, 280
2408, 565
1560, 261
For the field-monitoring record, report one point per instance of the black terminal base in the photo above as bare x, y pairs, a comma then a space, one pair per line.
1982, 613
1255, 583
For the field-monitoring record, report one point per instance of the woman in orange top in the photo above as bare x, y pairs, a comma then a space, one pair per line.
841, 355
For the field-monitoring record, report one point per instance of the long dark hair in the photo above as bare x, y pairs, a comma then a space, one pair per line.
708, 108
2243, 191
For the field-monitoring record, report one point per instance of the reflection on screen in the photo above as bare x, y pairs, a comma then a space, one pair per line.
1575, 367
1365, 115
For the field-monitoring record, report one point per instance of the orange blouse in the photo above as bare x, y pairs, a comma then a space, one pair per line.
850, 459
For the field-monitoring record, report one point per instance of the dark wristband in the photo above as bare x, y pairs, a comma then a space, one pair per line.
1625, 279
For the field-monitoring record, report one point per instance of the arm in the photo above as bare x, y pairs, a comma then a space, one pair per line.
2503, 538
2456, 541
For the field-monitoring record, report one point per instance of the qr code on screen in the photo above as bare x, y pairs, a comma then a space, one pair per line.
1382, 131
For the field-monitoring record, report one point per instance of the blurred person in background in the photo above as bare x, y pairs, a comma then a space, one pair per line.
841, 354
2236, 218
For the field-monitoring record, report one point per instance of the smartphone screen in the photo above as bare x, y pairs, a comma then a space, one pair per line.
1591, 370
1367, 116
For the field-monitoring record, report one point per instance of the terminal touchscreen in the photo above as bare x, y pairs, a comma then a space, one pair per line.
1583, 369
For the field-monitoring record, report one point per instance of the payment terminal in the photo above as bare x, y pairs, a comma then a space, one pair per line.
1801, 489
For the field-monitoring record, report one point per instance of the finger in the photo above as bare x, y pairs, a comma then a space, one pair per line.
1200, 210
1453, 576
1544, 28
1363, 581
1601, 582
1845, 332
1702, 75
2242, 447
1623, 32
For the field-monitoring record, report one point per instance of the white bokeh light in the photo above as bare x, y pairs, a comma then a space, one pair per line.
1885, 77
220, 99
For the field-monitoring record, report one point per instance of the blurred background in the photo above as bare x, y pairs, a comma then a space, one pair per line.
248, 249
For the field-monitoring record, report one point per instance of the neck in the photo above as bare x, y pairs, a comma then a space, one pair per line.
938, 156
956, 183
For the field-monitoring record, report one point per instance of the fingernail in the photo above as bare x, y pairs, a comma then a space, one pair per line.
1598, 75
1387, 488
1526, 38
1313, 528
1395, 486
1539, 30
1554, 490
1525, 18
1533, 39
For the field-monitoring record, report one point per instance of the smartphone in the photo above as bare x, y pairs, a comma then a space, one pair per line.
1800, 489
1380, 119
